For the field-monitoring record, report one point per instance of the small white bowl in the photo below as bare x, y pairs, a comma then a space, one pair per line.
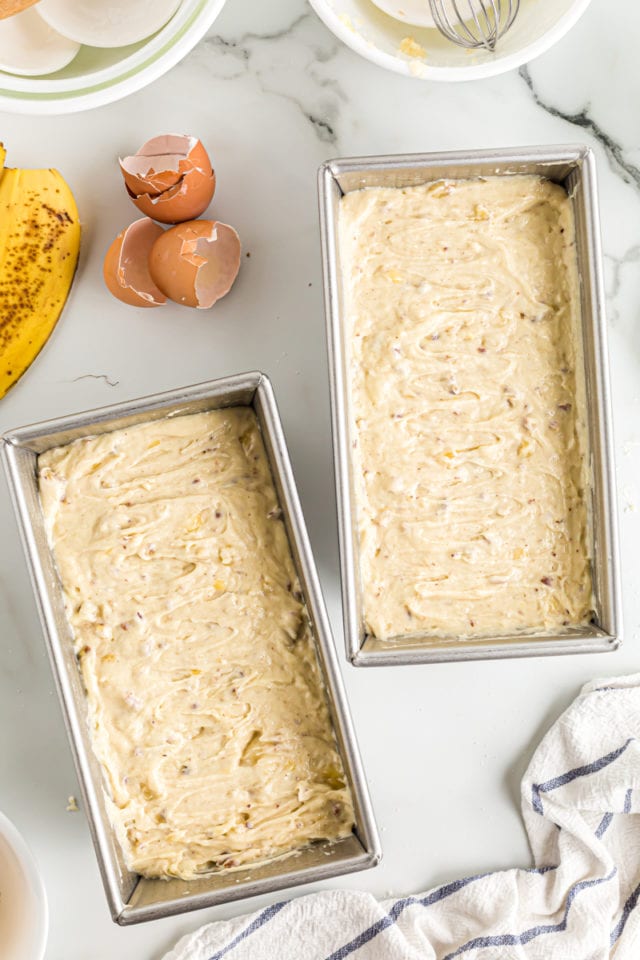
421, 52
24, 914
97, 76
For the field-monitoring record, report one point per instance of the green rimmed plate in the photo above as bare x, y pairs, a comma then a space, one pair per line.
99, 76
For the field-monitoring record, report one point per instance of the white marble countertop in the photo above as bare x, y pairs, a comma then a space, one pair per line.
273, 94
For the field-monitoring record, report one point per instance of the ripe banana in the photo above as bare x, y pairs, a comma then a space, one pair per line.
39, 246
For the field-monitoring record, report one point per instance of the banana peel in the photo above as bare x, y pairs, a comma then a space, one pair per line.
39, 247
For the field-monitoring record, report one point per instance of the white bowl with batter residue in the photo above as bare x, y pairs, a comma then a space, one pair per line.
421, 52
24, 914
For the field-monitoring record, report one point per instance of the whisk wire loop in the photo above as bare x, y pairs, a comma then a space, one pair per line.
482, 25
463, 20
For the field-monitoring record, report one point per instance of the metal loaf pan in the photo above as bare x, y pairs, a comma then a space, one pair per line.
573, 166
132, 898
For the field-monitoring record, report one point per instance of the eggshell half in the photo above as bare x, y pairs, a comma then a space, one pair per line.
126, 265
161, 161
196, 263
170, 178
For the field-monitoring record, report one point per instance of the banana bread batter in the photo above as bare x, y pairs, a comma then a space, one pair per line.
466, 410
206, 705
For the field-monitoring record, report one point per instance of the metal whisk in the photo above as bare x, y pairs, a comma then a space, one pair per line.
474, 23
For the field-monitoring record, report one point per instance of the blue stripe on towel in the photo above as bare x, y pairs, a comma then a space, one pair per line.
604, 825
574, 774
520, 939
399, 906
259, 921
631, 901
630, 904
608, 817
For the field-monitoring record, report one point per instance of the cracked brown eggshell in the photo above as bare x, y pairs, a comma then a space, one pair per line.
170, 178
196, 263
126, 265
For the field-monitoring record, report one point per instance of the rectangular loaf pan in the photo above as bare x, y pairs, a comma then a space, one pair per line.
573, 166
132, 898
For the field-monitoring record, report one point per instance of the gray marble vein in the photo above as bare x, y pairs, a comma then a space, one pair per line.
251, 53
615, 267
629, 172
96, 376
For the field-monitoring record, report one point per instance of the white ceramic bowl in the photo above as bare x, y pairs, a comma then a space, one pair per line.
379, 38
24, 915
98, 76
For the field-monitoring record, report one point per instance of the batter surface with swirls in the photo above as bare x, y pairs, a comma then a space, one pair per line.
466, 407
206, 707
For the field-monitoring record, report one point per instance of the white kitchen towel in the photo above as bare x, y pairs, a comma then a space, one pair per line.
580, 802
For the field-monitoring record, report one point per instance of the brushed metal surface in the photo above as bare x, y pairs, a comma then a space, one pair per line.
132, 898
573, 166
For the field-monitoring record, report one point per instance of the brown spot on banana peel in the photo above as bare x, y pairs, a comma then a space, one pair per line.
39, 247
